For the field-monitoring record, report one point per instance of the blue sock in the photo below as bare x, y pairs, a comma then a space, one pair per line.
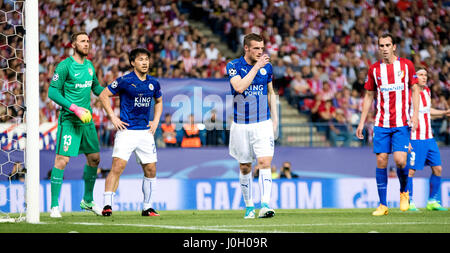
435, 185
382, 179
409, 188
402, 175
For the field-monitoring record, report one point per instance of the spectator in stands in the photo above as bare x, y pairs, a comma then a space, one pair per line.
358, 84
18, 172
298, 90
50, 112
323, 41
275, 174
340, 128
212, 53
169, 131
99, 116
214, 132
191, 134
327, 92
286, 171
91, 23
327, 111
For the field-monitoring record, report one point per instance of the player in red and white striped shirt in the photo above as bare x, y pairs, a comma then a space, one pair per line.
424, 149
392, 80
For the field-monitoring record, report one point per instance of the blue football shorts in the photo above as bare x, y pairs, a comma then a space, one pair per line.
388, 140
423, 152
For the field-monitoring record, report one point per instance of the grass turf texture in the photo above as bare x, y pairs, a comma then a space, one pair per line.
231, 221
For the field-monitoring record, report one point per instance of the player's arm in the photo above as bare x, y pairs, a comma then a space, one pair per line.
106, 103
272, 99
56, 87
415, 97
56, 95
436, 113
367, 104
157, 115
96, 87
241, 84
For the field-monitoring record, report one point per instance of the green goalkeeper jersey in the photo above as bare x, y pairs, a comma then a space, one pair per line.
72, 83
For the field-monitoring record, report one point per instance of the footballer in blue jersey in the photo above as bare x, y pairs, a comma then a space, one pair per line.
135, 99
251, 105
255, 121
136, 91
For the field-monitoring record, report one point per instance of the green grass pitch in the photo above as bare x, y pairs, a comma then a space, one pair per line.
231, 221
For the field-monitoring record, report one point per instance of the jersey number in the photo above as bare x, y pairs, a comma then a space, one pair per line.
413, 158
67, 139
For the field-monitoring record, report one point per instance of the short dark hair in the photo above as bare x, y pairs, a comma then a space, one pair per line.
137, 51
388, 35
74, 36
252, 37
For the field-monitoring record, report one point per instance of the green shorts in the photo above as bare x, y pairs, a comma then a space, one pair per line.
72, 140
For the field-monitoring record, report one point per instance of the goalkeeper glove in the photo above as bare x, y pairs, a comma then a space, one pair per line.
82, 113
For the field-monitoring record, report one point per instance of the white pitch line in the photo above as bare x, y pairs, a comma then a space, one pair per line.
334, 224
229, 228
206, 228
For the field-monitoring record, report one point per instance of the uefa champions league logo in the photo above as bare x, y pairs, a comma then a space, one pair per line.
232, 72
114, 84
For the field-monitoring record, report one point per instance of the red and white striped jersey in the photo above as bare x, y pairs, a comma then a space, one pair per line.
392, 82
423, 131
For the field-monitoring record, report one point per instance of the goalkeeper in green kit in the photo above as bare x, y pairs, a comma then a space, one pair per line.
71, 87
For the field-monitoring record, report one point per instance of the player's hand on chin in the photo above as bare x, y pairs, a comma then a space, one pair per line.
263, 60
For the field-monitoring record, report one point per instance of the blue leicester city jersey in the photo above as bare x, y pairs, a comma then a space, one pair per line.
135, 99
252, 105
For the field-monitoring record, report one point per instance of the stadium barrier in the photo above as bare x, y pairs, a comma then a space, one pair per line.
299, 135
213, 194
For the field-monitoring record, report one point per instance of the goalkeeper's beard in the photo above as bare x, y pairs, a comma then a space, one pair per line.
80, 52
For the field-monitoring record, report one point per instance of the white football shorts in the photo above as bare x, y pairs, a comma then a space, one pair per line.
250, 141
141, 142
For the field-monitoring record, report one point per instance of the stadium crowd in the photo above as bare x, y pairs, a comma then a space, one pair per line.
320, 50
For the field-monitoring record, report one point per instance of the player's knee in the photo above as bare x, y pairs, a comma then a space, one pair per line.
118, 165
437, 170
61, 161
245, 168
400, 164
150, 170
382, 161
94, 160
264, 162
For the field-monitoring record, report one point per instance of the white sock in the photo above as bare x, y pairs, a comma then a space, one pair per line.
246, 187
148, 188
265, 184
108, 198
